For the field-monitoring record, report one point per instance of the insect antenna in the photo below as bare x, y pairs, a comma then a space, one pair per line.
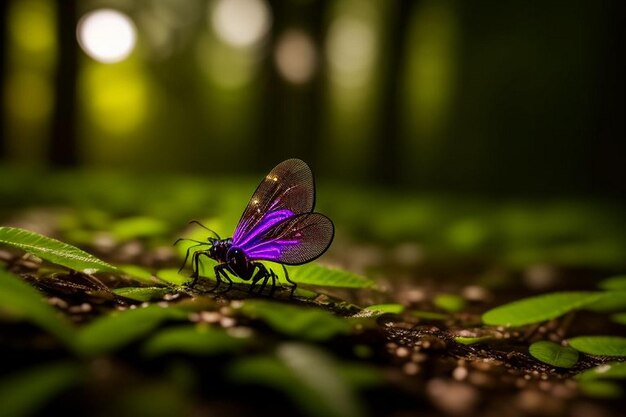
190, 248
206, 228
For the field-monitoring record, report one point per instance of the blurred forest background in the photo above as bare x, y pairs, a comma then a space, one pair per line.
499, 98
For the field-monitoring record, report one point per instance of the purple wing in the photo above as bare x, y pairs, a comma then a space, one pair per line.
286, 191
293, 240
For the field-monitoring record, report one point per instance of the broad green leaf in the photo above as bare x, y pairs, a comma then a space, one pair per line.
608, 302
172, 276
428, 315
116, 330
379, 309
26, 392
600, 345
539, 308
21, 300
53, 250
302, 322
138, 227
614, 283
612, 370
305, 374
194, 340
601, 389
139, 274
553, 354
142, 293
315, 274
465, 340
450, 302
619, 318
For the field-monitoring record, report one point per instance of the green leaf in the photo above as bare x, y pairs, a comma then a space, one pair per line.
428, 315
611, 370
614, 283
316, 274
25, 393
53, 251
539, 308
553, 354
139, 274
450, 302
600, 345
465, 340
142, 293
21, 300
601, 389
108, 333
302, 322
172, 276
193, 340
307, 375
609, 301
379, 309
138, 227
619, 318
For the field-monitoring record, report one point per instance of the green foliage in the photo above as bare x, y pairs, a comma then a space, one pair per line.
316, 274
26, 392
306, 374
539, 308
142, 293
22, 301
619, 318
139, 274
52, 250
600, 345
302, 322
111, 332
601, 389
464, 340
614, 283
198, 340
611, 370
609, 301
379, 309
138, 227
172, 276
450, 302
428, 315
553, 354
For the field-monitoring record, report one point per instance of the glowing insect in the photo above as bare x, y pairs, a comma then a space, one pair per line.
278, 225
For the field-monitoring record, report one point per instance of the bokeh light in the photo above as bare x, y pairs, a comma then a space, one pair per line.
241, 23
29, 96
116, 98
295, 56
106, 35
32, 25
351, 51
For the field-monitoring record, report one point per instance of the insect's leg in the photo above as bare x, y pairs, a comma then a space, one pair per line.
293, 284
261, 274
218, 272
195, 265
225, 271
273, 276
188, 250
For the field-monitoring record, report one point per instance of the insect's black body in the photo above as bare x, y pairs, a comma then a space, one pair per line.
278, 225
232, 260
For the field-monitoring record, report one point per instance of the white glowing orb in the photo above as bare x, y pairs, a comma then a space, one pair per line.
106, 35
241, 23
295, 56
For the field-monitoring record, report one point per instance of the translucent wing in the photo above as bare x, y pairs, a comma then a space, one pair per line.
287, 190
294, 240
